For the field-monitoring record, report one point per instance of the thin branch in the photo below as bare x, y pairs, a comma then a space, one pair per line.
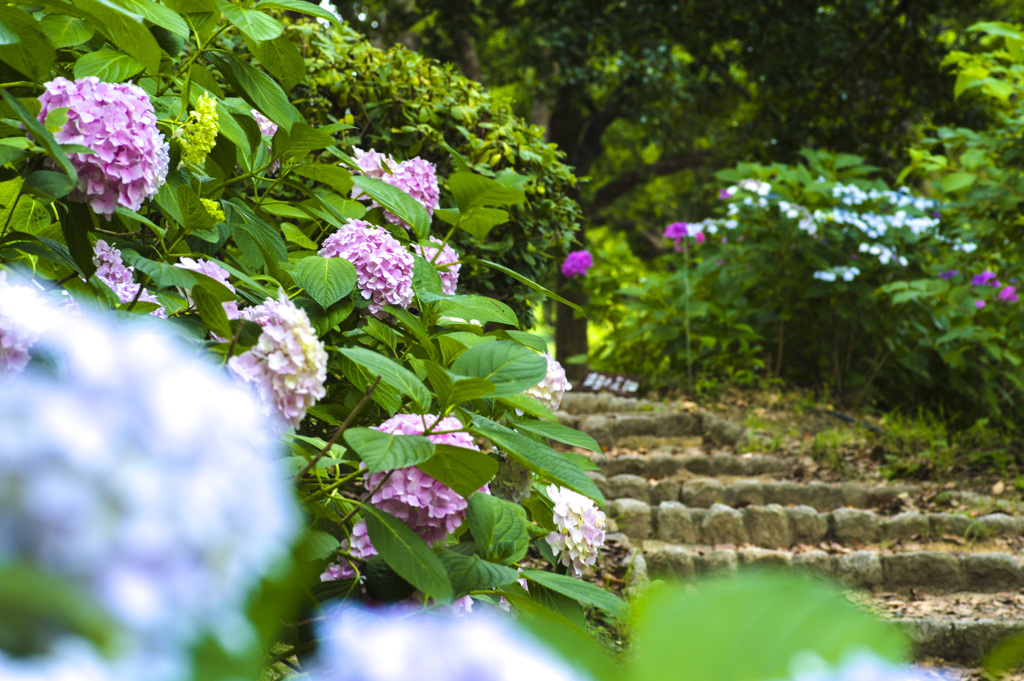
336, 435
607, 193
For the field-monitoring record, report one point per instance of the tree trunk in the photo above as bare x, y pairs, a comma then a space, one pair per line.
571, 329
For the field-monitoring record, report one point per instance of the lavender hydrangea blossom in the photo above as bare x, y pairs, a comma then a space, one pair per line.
111, 270
447, 263
118, 123
288, 364
121, 476
383, 265
395, 645
580, 529
416, 177
215, 272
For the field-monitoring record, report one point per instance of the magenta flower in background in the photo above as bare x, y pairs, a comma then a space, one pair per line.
1009, 294
118, 123
677, 230
288, 364
979, 304
577, 263
383, 265
949, 275
726, 193
983, 279
699, 237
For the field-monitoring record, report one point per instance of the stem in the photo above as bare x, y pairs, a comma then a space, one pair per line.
339, 430
686, 313
778, 358
362, 499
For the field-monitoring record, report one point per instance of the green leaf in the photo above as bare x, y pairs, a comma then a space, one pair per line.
530, 340
758, 622
471, 573
522, 280
299, 141
464, 470
407, 554
466, 389
529, 405
66, 31
252, 22
498, 528
126, 30
158, 14
316, 545
49, 183
32, 54
107, 65
956, 181
584, 592
480, 221
387, 451
396, 201
258, 89
481, 308
511, 367
391, 373
471, 190
259, 229
298, 237
326, 280
537, 457
41, 135
75, 225
425, 278
301, 6
560, 433
336, 177
193, 213
211, 311
281, 57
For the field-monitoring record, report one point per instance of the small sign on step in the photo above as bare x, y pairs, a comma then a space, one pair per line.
605, 381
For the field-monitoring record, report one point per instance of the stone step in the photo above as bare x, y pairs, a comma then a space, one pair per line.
962, 641
666, 462
650, 429
777, 527
917, 572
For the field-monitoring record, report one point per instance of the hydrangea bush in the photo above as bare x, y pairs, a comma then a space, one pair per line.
178, 189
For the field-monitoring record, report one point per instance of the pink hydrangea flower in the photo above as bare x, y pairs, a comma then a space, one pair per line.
383, 265
979, 304
577, 263
268, 128
580, 529
416, 177
111, 270
984, 279
433, 510
215, 272
553, 386
446, 263
118, 123
700, 238
358, 547
18, 331
1009, 294
288, 364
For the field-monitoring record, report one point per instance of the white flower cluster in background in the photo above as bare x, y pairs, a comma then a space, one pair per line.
580, 526
144, 477
392, 645
834, 273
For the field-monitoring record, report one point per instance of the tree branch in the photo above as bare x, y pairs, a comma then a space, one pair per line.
607, 193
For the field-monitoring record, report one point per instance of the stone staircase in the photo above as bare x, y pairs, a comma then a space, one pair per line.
682, 503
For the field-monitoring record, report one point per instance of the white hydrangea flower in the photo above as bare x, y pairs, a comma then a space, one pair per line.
144, 477
553, 386
580, 529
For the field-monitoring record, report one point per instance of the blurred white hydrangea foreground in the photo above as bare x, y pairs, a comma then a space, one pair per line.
144, 477
859, 665
393, 645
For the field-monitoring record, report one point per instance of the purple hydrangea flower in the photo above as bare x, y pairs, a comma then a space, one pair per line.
446, 263
111, 270
553, 386
979, 304
288, 364
268, 128
699, 237
433, 510
576, 264
359, 546
19, 330
215, 272
677, 231
118, 123
383, 265
983, 279
395, 644
949, 275
726, 193
1009, 294
416, 177
580, 529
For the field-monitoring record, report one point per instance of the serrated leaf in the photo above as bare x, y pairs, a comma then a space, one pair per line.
31, 54
498, 528
407, 554
530, 340
317, 545
252, 22
396, 201
391, 373
125, 30
523, 280
480, 221
281, 57
560, 433
299, 141
326, 280
471, 190
511, 367
464, 470
758, 622
258, 89
582, 591
66, 31
40, 135
471, 573
298, 237
159, 15
481, 308
466, 389
388, 451
211, 310
336, 177
49, 183
537, 457
107, 65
